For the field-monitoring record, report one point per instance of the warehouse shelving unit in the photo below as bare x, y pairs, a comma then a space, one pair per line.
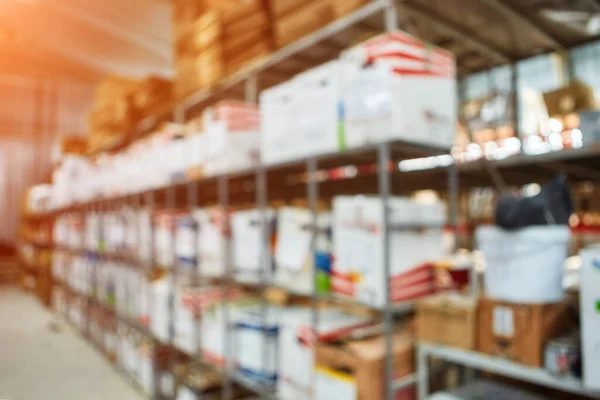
497, 365
255, 185
384, 156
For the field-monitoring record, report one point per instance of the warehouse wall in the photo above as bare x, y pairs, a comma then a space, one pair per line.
34, 113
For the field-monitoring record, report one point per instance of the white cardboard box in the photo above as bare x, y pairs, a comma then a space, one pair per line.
293, 260
405, 89
251, 256
358, 224
296, 354
250, 337
230, 151
278, 123
318, 109
212, 239
589, 298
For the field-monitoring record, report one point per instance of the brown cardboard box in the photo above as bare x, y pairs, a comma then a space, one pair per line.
233, 47
255, 21
233, 10
575, 97
281, 8
448, 320
343, 7
254, 52
519, 332
361, 363
187, 11
303, 21
205, 32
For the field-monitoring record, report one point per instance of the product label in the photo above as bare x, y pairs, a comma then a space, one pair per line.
333, 385
504, 322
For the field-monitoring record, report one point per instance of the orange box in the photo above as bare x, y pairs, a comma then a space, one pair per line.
303, 21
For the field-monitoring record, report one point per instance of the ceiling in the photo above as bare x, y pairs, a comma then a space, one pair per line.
86, 39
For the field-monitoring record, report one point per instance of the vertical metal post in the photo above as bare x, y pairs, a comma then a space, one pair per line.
383, 158
91, 271
514, 87
171, 202
134, 254
422, 374
251, 89
453, 199
391, 17
312, 190
265, 258
223, 193
383, 173
150, 298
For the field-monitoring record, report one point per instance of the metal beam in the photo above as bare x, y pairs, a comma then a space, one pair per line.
469, 38
509, 12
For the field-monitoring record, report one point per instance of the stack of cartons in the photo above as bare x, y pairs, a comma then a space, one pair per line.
293, 19
113, 111
215, 38
152, 94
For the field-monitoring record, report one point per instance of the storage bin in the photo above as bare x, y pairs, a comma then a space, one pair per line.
526, 265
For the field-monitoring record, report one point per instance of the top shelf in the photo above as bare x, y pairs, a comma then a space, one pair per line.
580, 164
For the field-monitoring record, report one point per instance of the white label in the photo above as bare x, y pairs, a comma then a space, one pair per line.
504, 322
332, 385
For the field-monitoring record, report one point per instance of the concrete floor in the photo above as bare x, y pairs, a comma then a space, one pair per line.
38, 364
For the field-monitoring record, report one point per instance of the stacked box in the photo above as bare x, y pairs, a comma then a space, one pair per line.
215, 38
293, 19
151, 95
113, 112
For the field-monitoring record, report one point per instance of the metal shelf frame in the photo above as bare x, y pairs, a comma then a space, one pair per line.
383, 154
472, 359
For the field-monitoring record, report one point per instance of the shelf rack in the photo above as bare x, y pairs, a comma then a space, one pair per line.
472, 359
261, 182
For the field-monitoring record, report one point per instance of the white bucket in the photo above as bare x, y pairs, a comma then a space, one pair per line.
526, 265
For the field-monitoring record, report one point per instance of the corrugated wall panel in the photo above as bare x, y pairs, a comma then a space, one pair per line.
32, 116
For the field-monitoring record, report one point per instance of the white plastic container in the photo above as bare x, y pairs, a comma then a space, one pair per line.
526, 265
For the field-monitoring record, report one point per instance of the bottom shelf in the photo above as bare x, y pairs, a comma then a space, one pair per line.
496, 365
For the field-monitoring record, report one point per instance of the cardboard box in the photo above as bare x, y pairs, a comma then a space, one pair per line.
295, 263
589, 124
234, 10
278, 119
318, 109
203, 34
589, 300
251, 22
296, 350
303, 117
248, 247
301, 22
575, 97
355, 369
404, 89
252, 53
448, 320
519, 332
343, 7
233, 47
280, 8
358, 248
